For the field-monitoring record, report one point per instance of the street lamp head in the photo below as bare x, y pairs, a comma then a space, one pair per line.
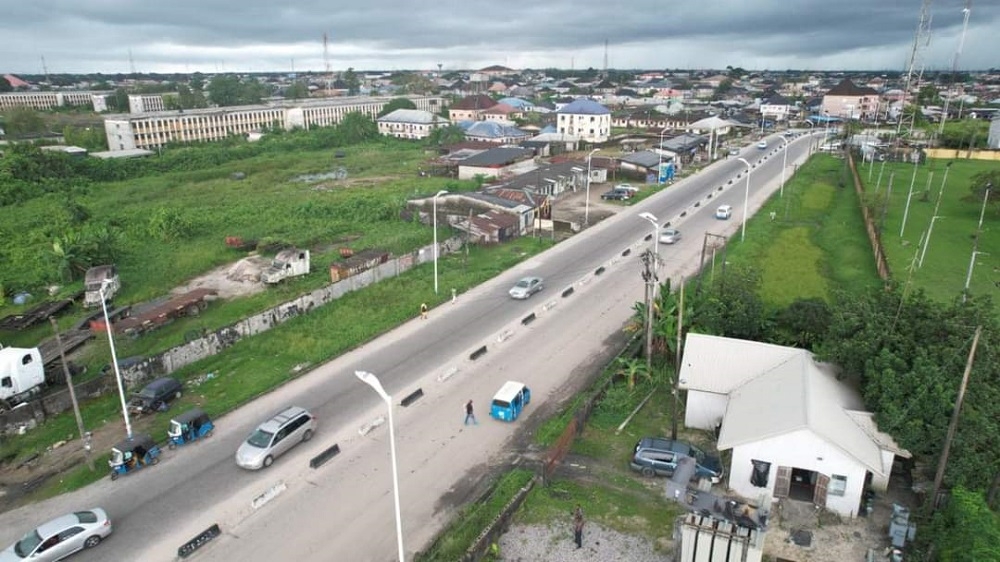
649, 216
440, 193
372, 381
745, 162
593, 151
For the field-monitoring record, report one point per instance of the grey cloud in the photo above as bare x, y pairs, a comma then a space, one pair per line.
96, 35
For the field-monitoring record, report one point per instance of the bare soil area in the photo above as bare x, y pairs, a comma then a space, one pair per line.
230, 280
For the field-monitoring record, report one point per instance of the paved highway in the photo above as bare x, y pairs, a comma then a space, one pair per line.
343, 510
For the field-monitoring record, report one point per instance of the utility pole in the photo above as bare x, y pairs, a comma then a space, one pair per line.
649, 276
953, 425
677, 366
72, 395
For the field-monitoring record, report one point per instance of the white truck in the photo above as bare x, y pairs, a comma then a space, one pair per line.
96, 278
288, 263
22, 374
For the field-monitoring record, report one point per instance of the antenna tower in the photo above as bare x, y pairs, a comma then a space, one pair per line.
921, 40
954, 62
131, 64
45, 70
605, 58
326, 61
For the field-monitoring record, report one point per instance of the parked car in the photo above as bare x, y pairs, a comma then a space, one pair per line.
526, 287
656, 456
627, 187
670, 236
155, 395
616, 195
762, 145
275, 437
724, 212
61, 537
734, 152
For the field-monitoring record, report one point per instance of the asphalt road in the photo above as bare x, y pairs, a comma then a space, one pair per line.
344, 510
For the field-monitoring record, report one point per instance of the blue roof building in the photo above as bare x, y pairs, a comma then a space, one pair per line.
586, 119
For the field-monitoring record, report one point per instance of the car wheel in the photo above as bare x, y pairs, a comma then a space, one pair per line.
268, 460
154, 460
114, 475
171, 444
209, 433
307, 435
648, 472
92, 541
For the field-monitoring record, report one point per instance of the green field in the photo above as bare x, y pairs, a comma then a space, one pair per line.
815, 245
949, 250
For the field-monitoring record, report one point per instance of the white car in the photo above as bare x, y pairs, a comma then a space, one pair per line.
627, 187
670, 236
762, 145
724, 212
526, 287
61, 537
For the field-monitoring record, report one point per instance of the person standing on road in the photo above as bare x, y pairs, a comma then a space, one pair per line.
454, 296
470, 414
423, 311
578, 526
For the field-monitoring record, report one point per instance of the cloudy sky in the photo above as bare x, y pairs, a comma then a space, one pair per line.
271, 35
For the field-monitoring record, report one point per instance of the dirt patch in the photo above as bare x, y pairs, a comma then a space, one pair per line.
231, 280
831, 538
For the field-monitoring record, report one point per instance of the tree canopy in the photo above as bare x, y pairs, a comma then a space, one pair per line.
228, 89
397, 103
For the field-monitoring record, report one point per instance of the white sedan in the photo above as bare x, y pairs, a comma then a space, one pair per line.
61, 537
526, 287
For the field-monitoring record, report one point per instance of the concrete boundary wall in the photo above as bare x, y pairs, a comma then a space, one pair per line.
212, 343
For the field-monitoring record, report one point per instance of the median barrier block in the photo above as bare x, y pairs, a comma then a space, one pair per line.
528, 319
684, 213
627, 252
412, 397
203, 538
648, 237
599, 270
697, 203
567, 292
721, 187
478, 353
320, 459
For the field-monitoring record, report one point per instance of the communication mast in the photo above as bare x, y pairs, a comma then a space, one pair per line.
326, 61
954, 62
45, 70
921, 40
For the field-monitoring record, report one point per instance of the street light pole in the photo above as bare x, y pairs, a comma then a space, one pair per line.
372, 381
927, 241
784, 164
586, 205
114, 358
812, 137
746, 201
435, 205
659, 151
968, 276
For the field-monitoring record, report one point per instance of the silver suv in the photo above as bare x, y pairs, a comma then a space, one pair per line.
274, 437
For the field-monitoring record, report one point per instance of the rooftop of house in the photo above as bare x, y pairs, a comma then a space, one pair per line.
583, 106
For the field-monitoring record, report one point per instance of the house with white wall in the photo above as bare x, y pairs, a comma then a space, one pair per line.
409, 123
795, 431
586, 119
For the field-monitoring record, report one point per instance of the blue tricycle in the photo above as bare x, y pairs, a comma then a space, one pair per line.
190, 426
132, 454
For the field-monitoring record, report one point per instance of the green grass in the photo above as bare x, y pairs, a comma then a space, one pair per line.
816, 244
946, 261
475, 517
256, 365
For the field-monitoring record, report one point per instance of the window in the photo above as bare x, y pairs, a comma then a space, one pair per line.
7, 382
26, 360
759, 474
838, 485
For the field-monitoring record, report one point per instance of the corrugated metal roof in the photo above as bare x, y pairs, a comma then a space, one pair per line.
416, 116
793, 396
584, 106
717, 364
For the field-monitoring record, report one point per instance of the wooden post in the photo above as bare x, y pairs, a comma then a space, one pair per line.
953, 425
72, 395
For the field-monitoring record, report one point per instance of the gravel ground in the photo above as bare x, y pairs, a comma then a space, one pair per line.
539, 543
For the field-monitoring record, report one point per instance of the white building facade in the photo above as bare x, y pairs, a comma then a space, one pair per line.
410, 124
586, 119
152, 130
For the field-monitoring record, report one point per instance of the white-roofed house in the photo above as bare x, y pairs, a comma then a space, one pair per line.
794, 430
410, 123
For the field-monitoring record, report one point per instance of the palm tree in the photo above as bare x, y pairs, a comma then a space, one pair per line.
631, 368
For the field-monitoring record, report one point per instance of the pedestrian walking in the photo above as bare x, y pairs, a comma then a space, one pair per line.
470, 414
454, 296
423, 311
578, 526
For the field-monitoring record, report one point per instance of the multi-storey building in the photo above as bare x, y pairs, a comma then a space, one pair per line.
145, 103
410, 123
586, 119
152, 130
46, 100
849, 101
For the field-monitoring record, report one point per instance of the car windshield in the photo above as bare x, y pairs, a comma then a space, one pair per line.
148, 392
260, 439
86, 516
25, 546
523, 283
